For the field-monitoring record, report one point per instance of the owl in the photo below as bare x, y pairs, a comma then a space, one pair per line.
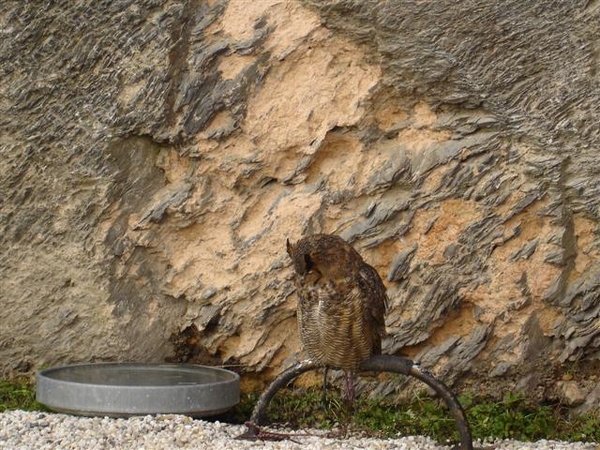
341, 304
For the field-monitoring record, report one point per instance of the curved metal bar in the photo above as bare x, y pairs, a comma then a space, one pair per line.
384, 363
280, 381
379, 363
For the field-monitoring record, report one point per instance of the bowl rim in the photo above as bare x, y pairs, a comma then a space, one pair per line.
232, 377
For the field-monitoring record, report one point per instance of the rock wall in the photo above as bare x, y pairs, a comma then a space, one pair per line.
156, 155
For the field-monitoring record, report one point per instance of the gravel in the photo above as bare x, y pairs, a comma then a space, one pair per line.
37, 430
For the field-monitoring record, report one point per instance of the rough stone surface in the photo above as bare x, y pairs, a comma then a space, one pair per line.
570, 393
155, 155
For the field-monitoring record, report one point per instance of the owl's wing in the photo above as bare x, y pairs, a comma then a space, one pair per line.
374, 290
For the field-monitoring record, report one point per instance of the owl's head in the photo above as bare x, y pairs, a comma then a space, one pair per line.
301, 258
322, 255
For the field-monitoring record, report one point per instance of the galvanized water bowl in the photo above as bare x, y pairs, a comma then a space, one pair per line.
133, 389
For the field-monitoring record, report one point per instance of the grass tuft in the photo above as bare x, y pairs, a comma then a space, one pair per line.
18, 394
513, 417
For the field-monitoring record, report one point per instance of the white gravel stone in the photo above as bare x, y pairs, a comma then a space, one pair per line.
20, 430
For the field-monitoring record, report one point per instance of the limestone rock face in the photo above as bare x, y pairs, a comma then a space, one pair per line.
156, 155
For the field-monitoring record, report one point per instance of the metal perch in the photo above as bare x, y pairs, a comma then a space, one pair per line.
379, 363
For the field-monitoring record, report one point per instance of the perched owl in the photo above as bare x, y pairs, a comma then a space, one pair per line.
341, 304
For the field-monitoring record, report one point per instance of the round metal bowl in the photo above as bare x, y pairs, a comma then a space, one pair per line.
130, 389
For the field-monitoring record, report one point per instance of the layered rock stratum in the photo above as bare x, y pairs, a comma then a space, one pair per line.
156, 155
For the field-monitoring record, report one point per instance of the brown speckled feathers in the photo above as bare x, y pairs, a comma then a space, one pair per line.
341, 302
